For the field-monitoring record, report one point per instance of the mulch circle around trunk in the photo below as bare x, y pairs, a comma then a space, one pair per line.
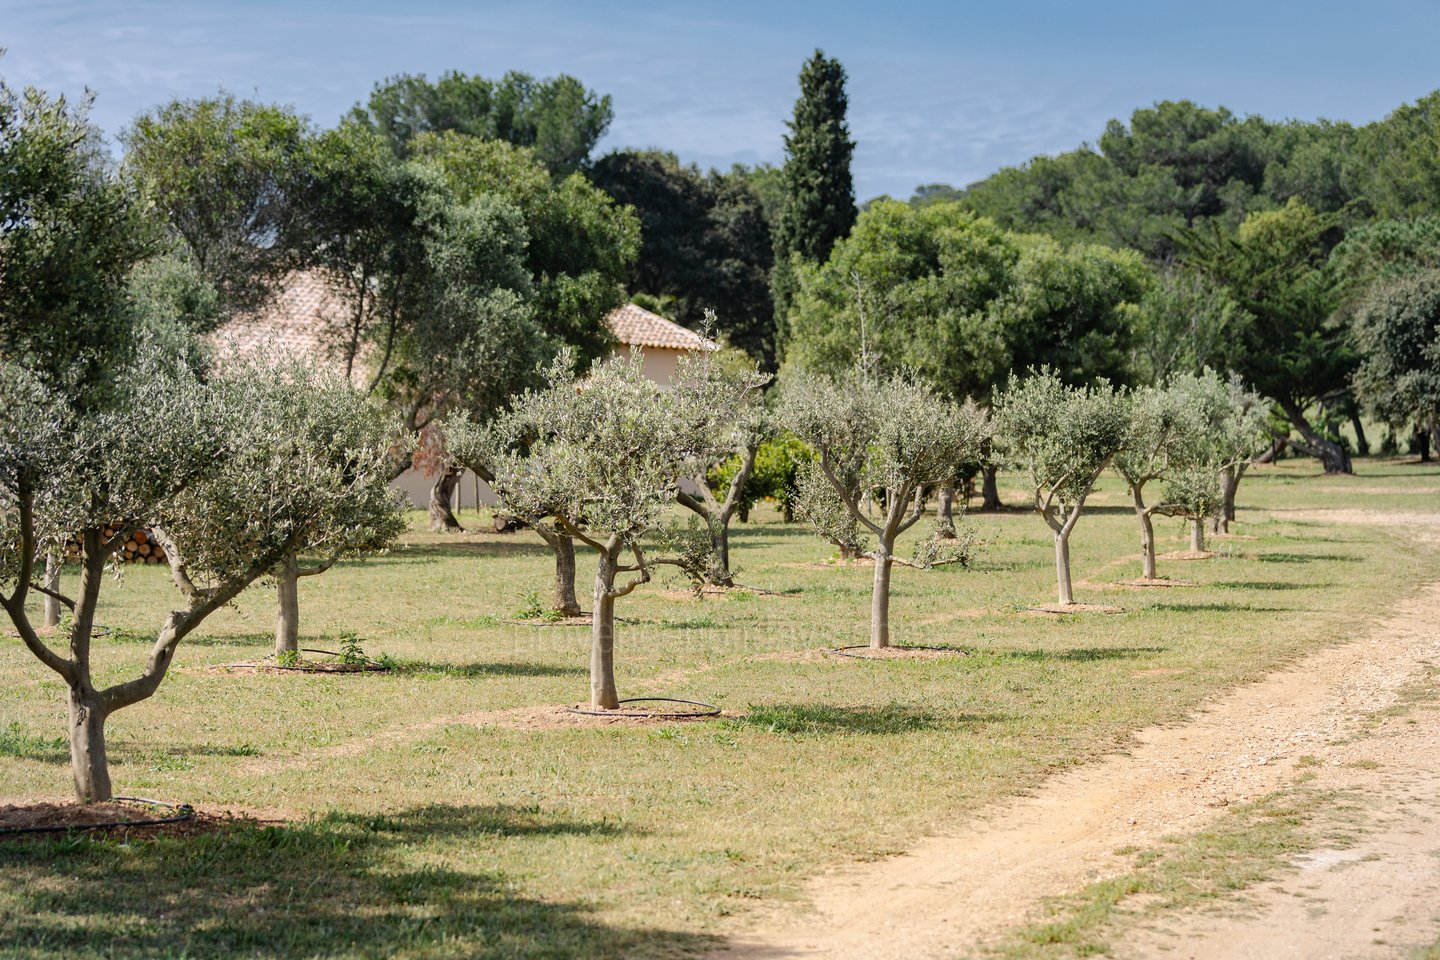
701, 709
131, 817
1187, 555
1068, 608
268, 665
1155, 582
898, 652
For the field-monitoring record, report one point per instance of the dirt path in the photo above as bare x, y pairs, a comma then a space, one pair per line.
950, 894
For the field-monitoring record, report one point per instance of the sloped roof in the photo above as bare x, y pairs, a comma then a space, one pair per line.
634, 326
304, 318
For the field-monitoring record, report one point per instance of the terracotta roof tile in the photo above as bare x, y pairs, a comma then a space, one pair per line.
303, 319
634, 326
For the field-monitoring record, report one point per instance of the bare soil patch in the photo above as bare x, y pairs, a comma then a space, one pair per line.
121, 819
1058, 609
268, 665
952, 895
1186, 555
898, 653
1142, 583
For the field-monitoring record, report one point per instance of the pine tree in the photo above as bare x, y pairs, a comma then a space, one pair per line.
819, 202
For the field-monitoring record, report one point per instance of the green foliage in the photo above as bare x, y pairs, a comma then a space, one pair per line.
1063, 437
1397, 331
707, 243
1275, 269
606, 455
352, 650
874, 439
303, 465
819, 199
936, 289
70, 232
1184, 323
436, 284
226, 178
579, 243
288, 658
1221, 424
557, 117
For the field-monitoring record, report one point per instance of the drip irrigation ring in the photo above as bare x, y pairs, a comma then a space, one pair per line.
183, 812
842, 651
369, 666
710, 710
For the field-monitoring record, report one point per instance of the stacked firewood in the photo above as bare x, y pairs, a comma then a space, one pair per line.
139, 548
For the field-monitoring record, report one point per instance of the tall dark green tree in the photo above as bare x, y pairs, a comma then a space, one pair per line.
819, 204
707, 243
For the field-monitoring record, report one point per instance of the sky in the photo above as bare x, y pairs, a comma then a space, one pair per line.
939, 92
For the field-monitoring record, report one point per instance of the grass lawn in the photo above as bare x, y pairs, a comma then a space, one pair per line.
415, 828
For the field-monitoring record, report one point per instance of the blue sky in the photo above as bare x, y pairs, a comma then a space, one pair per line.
939, 92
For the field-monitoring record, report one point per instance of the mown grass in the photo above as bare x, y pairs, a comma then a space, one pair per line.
416, 833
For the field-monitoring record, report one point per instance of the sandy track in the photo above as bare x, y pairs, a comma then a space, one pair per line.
950, 894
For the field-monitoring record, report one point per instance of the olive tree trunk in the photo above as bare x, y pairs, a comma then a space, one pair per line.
1332, 456
990, 488
717, 514
603, 694
1147, 534
1229, 483
1197, 535
1062, 567
880, 595
1434, 425
89, 764
51, 613
563, 546
287, 608
945, 514
442, 499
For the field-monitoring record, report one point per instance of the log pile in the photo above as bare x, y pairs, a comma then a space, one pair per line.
139, 548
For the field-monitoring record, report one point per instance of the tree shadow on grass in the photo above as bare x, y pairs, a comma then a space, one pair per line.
801, 719
1078, 654
1307, 557
342, 886
1269, 585
498, 669
1237, 607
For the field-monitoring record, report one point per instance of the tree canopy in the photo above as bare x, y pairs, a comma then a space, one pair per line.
556, 116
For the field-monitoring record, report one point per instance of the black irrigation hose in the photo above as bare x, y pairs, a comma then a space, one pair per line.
183, 812
710, 709
841, 651
370, 665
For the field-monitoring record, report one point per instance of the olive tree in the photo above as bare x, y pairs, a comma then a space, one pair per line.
1064, 438
603, 457
1158, 431
340, 448
1229, 425
877, 438
228, 491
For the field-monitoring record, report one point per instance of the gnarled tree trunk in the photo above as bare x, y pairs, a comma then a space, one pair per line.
1197, 535
88, 762
1229, 483
1147, 535
945, 514
563, 546
442, 499
287, 609
990, 488
1332, 456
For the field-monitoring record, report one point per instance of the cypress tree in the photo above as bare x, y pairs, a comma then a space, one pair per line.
819, 202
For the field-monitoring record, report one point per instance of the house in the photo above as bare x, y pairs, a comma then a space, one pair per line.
309, 316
